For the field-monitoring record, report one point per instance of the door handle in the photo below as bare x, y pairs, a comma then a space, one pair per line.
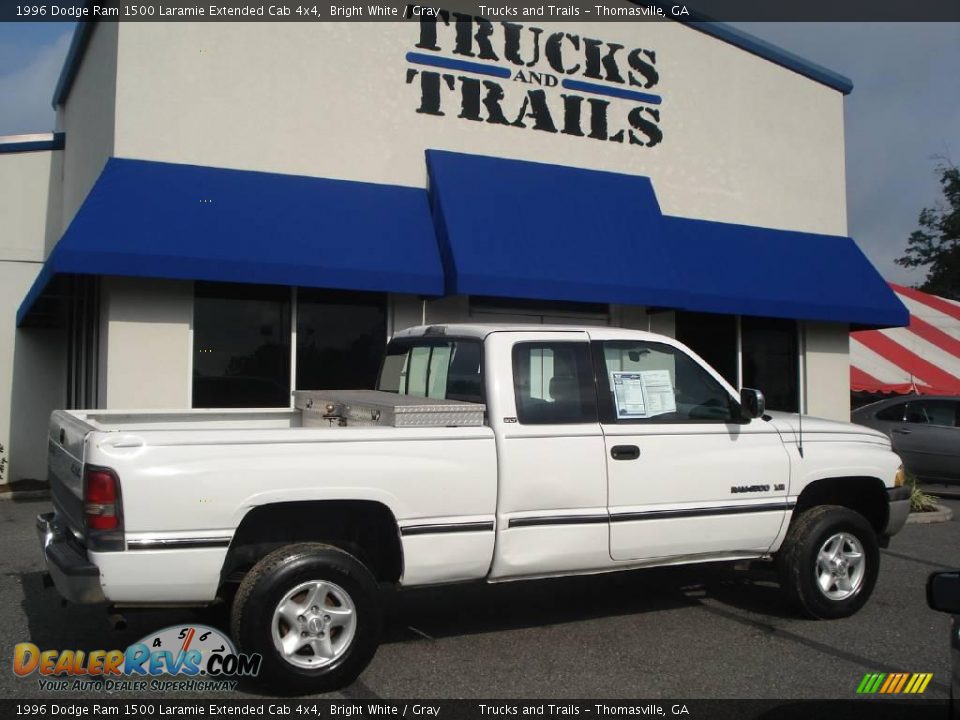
901, 431
624, 452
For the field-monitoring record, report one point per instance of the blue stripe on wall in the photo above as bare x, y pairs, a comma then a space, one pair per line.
615, 92
462, 65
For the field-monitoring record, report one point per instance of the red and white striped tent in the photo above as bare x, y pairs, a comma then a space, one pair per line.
922, 358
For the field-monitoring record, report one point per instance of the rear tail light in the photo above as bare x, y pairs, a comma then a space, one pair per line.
101, 499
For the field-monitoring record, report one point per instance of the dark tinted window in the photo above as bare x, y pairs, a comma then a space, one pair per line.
553, 383
448, 369
712, 337
935, 412
241, 345
894, 413
657, 383
340, 339
770, 360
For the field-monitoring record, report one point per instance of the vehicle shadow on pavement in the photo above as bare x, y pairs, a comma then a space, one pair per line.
417, 614
53, 624
451, 610
478, 607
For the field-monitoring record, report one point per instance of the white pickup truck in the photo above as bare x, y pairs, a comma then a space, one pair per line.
487, 453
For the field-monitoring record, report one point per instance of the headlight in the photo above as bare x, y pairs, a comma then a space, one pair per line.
900, 477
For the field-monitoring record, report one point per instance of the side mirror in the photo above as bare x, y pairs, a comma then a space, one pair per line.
943, 592
752, 404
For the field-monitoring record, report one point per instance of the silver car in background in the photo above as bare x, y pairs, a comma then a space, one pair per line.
924, 430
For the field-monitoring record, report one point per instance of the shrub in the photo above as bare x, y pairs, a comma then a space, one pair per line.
919, 500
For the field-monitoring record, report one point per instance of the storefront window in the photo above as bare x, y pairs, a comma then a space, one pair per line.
770, 360
340, 339
83, 341
241, 345
712, 337
769, 353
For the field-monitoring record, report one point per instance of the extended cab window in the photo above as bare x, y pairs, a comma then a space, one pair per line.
653, 382
444, 369
553, 383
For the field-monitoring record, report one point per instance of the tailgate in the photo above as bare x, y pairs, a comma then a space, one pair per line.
65, 445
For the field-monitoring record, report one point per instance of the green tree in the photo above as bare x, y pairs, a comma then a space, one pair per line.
936, 245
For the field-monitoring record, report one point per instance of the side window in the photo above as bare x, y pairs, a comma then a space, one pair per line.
553, 383
444, 369
894, 413
653, 382
939, 412
915, 414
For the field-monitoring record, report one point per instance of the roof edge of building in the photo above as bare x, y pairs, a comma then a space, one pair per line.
71, 64
768, 51
721, 31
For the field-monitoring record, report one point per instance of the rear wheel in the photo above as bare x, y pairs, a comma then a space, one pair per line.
313, 612
829, 561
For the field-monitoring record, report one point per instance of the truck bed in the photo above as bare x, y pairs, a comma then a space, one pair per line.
192, 475
199, 419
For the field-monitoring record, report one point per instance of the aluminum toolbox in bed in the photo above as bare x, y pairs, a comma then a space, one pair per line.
376, 407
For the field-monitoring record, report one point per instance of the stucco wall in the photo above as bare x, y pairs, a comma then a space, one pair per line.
88, 118
32, 360
32, 378
146, 343
404, 311
744, 140
29, 204
827, 378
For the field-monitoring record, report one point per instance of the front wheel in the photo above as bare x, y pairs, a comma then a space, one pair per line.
829, 561
313, 612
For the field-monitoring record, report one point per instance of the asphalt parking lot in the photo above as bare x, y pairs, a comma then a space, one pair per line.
704, 631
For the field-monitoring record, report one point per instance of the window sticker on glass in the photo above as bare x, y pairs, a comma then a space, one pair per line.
643, 394
628, 391
658, 391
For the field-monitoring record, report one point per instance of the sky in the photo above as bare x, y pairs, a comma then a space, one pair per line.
902, 118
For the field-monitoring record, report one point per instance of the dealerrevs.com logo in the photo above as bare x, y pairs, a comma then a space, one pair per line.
200, 657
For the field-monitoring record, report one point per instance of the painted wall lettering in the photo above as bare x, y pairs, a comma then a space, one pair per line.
520, 76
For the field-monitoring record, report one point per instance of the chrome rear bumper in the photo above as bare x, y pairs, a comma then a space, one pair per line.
75, 577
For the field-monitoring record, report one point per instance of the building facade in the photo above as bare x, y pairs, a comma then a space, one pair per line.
229, 211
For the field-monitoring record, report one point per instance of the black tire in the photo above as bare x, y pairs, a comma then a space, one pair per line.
279, 573
797, 561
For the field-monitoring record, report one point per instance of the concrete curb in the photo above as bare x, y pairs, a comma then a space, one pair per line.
941, 514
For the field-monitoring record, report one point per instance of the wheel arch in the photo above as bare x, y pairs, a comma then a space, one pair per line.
863, 494
366, 529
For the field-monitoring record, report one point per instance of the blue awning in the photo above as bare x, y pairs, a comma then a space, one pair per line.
510, 228
506, 228
161, 220
745, 270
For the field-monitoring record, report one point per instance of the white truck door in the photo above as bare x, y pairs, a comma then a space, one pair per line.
552, 499
686, 477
